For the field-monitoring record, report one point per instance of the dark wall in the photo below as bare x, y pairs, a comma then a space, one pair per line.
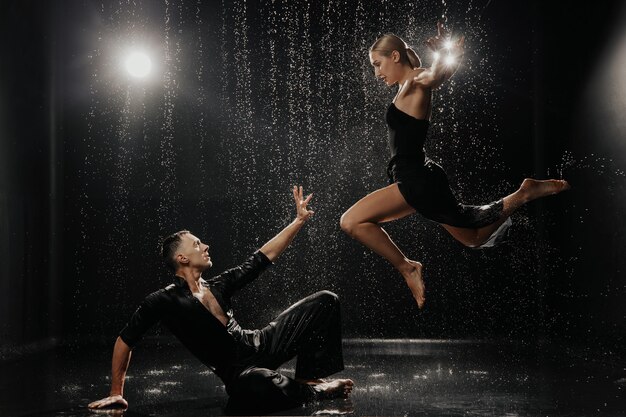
29, 184
250, 100
582, 86
569, 59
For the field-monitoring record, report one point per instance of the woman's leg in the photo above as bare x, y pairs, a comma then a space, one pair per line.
530, 190
361, 221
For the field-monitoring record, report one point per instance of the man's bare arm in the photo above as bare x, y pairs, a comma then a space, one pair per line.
119, 366
279, 243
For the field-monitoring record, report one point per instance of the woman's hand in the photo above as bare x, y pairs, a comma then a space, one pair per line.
442, 41
302, 211
438, 42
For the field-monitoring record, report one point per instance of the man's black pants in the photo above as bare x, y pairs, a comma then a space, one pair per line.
311, 330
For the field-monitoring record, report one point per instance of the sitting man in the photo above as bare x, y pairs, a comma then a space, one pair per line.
198, 312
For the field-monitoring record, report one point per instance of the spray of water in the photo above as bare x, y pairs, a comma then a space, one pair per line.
254, 98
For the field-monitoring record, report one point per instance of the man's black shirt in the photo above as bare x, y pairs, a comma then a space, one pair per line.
216, 345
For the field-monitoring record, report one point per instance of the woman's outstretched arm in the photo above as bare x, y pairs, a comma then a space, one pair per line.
448, 56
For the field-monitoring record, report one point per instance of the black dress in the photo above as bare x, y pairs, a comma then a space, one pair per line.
423, 183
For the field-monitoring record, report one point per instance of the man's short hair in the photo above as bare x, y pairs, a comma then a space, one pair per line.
169, 246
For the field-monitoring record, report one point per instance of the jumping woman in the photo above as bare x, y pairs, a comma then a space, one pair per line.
419, 184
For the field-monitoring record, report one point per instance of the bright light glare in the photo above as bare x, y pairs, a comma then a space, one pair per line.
436, 55
450, 60
447, 45
138, 64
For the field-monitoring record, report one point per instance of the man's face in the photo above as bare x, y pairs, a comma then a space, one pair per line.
192, 252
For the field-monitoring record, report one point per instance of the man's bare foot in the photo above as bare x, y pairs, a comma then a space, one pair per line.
534, 189
413, 277
311, 381
338, 388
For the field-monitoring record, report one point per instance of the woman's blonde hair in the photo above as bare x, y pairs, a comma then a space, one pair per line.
389, 42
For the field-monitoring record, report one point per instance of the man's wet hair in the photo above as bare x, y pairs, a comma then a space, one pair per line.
169, 246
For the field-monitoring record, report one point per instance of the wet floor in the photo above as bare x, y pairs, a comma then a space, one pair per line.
393, 378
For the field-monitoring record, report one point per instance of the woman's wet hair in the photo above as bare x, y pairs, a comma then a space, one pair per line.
169, 246
389, 42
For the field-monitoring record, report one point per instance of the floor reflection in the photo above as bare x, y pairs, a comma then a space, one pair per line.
392, 377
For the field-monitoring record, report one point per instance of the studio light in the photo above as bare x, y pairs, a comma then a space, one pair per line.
450, 60
138, 64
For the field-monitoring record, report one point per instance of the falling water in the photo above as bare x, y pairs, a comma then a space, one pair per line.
253, 98
168, 154
200, 106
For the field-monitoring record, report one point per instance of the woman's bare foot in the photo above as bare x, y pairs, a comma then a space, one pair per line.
338, 388
533, 189
413, 276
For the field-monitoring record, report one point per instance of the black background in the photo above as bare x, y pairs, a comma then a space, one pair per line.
91, 178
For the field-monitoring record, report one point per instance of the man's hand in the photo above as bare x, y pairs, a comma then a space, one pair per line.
301, 203
111, 402
279, 243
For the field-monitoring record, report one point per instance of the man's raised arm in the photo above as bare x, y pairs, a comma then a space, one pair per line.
119, 366
279, 243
